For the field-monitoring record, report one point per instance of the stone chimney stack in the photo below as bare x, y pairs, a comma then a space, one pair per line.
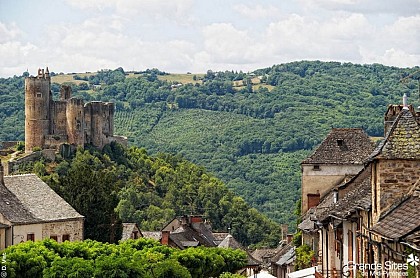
405, 105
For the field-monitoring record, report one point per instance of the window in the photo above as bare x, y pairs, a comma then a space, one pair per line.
317, 168
340, 142
135, 234
30, 237
38, 94
53, 237
66, 237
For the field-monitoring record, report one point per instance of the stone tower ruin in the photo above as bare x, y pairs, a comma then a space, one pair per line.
51, 123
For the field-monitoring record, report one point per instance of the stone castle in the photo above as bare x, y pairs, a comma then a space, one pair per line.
51, 123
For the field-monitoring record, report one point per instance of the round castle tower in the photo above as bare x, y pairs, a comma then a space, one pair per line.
37, 109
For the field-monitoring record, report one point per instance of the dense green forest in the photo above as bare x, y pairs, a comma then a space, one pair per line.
252, 135
127, 185
133, 258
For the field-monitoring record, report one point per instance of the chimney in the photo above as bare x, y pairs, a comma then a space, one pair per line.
284, 229
405, 106
196, 219
289, 238
313, 199
165, 238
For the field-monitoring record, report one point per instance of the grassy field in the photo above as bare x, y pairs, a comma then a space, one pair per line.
172, 77
182, 78
68, 78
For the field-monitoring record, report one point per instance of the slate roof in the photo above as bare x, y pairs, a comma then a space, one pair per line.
128, 229
308, 224
342, 146
403, 219
219, 237
35, 200
230, 242
13, 209
402, 140
357, 196
186, 236
152, 235
287, 258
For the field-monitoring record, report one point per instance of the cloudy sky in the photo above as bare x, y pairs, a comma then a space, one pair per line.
196, 35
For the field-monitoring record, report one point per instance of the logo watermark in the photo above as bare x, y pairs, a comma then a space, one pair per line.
386, 269
3, 273
413, 260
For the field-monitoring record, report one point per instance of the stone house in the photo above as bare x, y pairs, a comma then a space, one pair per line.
131, 231
31, 210
372, 219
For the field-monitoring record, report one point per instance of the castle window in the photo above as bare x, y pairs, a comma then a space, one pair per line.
340, 142
66, 237
53, 237
38, 94
317, 168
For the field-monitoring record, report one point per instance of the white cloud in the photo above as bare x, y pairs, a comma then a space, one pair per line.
180, 36
174, 10
400, 7
257, 11
9, 32
224, 43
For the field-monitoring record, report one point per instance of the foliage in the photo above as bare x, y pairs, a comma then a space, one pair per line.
304, 257
130, 185
132, 258
253, 139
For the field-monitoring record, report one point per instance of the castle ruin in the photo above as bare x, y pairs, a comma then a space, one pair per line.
51, 123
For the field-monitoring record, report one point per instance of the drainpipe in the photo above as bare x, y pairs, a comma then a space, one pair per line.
326, 250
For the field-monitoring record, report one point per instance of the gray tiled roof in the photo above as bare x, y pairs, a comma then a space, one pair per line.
219, 237
402, 140
185, 234
357, 196
152, 235
287, 258
128, 229
12, 209
39, 199
342, 146
230, 242
402, 219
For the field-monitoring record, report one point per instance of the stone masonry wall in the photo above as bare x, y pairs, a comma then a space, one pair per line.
395, 179
73, 228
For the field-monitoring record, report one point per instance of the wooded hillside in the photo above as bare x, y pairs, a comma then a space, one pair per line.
251, 130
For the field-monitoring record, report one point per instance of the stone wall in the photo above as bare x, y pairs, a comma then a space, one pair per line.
37, 110
73, 228
48, 123
13, 165
394, 178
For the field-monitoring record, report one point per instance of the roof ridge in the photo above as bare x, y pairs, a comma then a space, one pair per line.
381, 145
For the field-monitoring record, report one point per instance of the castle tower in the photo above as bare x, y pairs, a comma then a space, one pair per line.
37, 109
75, 121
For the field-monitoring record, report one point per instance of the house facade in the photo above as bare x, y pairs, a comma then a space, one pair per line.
31, 210
369, 223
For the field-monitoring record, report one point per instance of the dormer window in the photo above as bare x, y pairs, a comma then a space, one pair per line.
317, 168
340, 142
